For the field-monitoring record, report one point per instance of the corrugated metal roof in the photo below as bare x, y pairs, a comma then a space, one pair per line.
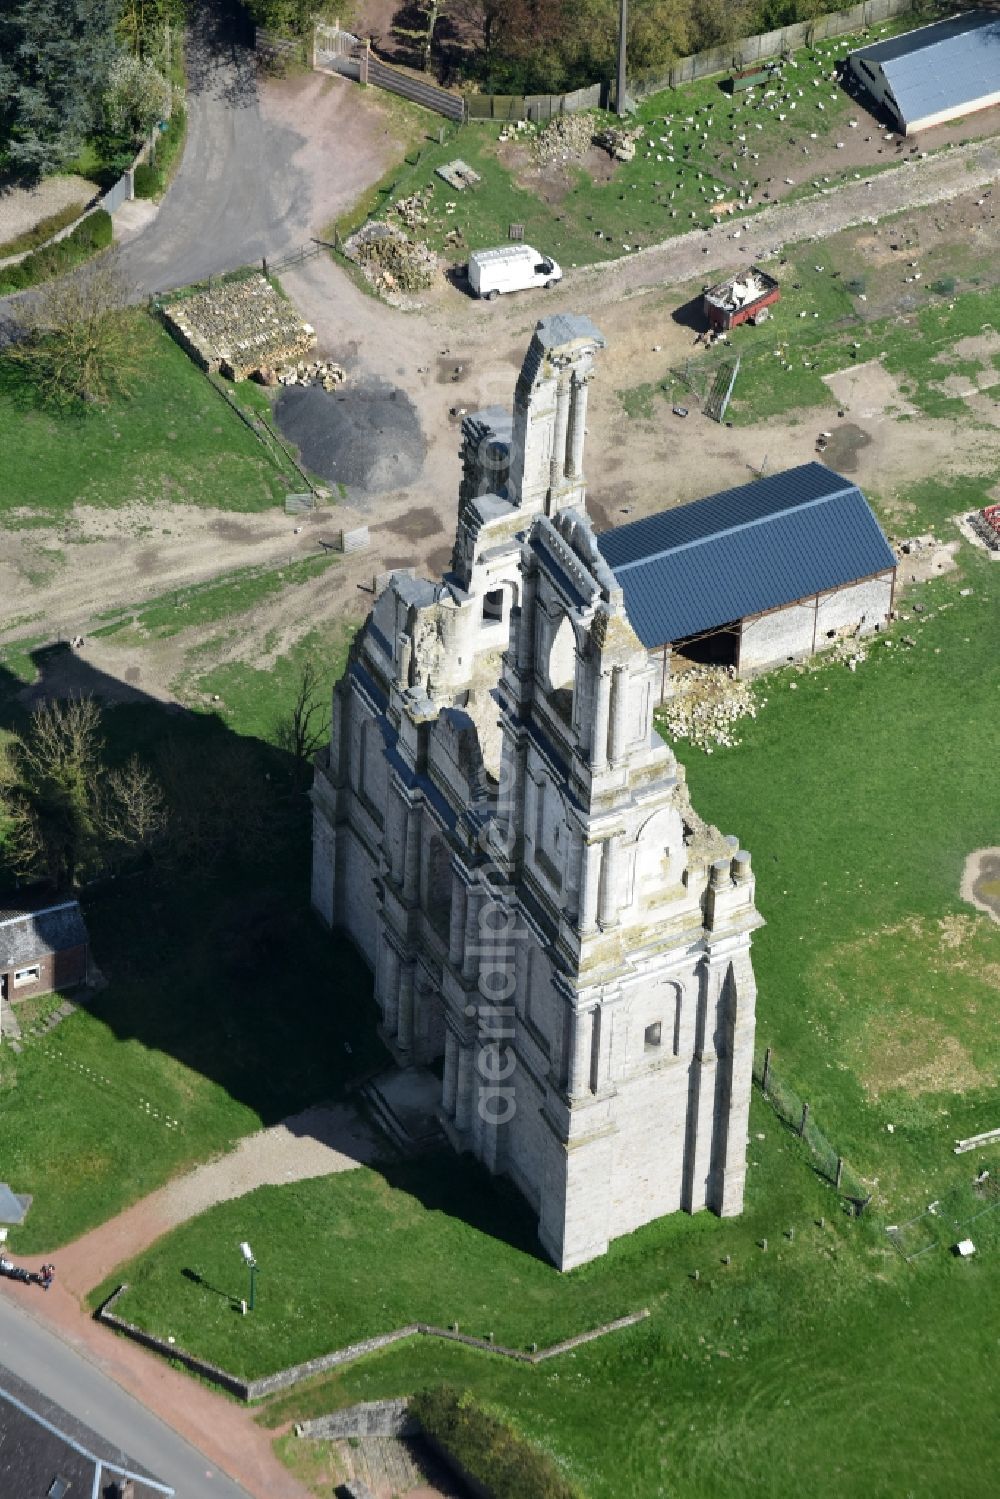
744, 551
30, 935
941, 66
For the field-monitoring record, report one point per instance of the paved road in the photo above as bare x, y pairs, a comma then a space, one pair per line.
237, 195
79, 1386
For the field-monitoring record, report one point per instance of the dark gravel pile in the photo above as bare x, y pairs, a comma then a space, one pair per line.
367, 437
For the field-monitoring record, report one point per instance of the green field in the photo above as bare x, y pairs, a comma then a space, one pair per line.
173, 439
582, 219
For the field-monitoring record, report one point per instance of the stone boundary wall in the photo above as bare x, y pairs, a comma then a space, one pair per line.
374, 1418
284, 1379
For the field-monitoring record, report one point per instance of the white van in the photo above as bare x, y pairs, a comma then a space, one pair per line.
510, 268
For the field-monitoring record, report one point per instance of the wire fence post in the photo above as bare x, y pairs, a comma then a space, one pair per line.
765, 1076
840, 1172
804, 1120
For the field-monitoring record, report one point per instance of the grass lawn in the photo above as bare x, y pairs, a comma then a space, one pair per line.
406, 1222
798, 1380
688, 159
173, 438
248, 694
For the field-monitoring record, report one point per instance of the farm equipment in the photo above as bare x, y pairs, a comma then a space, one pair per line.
987, 525
742, 299
754, 77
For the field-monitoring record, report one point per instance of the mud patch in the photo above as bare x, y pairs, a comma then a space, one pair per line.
415, 525
553, 180
981, 881
844, 446
366, 436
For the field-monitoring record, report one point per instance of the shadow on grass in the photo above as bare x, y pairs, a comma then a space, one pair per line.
221, 966
204, 1285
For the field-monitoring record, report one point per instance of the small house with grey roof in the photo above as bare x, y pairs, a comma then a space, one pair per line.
44, 945
765, 573
934, 74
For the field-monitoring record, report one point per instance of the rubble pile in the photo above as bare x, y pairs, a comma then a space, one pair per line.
319, 372
395, 265
619, 143
566, 138
414, 211
239, 327
707, 703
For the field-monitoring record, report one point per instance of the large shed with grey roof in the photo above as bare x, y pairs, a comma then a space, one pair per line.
765, 573
44, 945
936, 73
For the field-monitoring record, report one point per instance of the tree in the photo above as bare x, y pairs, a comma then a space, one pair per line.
133, 808
75, 338
305, 726
58, 774
135, 98
55, 56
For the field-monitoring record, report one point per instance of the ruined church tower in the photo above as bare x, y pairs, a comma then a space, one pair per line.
503, 833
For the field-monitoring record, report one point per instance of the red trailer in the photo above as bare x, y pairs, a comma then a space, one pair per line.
743, 299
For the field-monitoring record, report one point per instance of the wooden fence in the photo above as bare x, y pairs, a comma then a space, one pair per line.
338, 51
747, 50
537, 107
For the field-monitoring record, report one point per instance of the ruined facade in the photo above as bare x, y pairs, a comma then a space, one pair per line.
506, 838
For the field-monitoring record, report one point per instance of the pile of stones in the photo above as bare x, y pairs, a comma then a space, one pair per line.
566, 138
239, 327
621, 144
707, 704
319, 372
414, 211
392, 263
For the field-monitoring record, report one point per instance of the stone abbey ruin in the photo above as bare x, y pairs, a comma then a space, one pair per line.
506, 838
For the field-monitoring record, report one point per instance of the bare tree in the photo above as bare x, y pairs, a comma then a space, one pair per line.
305, 726
59, 772
133, 807
75, 337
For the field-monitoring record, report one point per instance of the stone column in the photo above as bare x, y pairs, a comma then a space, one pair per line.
577, 428
463, 1088
578, 1060
411, 855
607, 908
470, 956
525, 647
389, 986
590, 869
450, 1085
396, 830
456, 929
557, 462
602, 708
619, 709
404, 1034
